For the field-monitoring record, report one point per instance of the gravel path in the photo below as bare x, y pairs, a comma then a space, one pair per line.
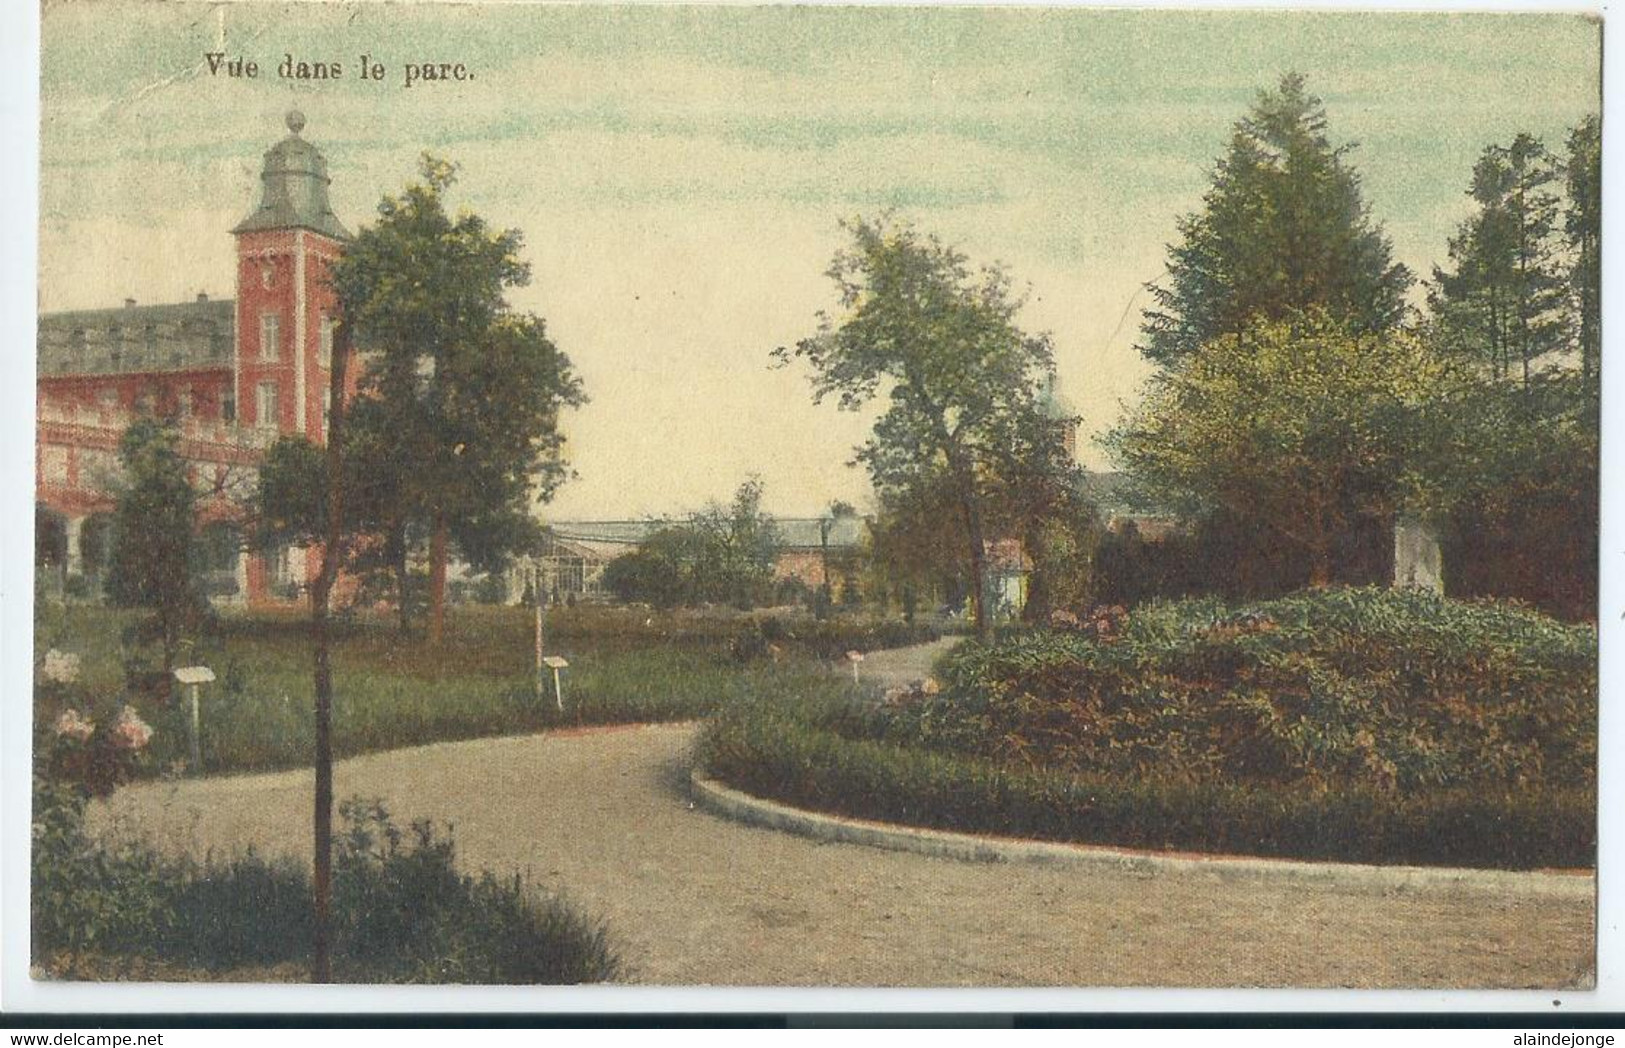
694, 899
893, 667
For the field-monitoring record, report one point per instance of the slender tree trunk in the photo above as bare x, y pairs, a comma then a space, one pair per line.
437, 580
321, 594
978, 560
1320, 567
403, 576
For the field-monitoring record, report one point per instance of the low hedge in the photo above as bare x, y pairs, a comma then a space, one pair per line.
809, 758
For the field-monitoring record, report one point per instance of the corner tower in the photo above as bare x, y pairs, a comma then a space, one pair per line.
284, 303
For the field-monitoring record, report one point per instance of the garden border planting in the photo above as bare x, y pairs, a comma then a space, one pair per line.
735, 804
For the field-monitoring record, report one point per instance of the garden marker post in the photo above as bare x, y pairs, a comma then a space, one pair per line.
535, 592
195, 677
558, 683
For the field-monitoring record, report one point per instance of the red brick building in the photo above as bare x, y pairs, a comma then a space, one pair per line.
234, 374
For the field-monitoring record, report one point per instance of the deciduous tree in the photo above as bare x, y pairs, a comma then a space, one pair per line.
1299, 427
461, 399
154, 534
938, 342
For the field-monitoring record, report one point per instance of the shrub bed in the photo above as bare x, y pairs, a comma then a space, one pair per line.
401, 910
1360, 688
1360, 726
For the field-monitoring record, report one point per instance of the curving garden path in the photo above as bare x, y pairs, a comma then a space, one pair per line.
694, 899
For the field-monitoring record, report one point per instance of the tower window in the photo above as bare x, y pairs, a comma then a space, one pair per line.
265, 406
270, 336
325, 350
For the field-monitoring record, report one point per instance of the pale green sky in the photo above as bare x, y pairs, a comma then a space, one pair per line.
679, 172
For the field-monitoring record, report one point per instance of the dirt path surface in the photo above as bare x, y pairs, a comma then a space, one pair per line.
694, 899
893, 667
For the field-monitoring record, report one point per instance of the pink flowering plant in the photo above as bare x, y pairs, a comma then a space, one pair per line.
96, 755
91, 751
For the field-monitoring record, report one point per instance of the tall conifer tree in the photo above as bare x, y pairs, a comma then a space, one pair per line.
1504, 299
1283, 229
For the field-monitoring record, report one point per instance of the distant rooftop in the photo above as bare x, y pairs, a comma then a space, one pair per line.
794, 532
132, 338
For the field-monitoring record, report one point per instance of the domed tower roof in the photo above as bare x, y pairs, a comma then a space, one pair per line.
1053, 402
295, 188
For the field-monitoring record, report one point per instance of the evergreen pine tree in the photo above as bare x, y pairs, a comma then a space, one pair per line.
1283, 230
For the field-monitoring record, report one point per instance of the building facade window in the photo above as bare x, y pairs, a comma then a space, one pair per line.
265, 406
228, 407
54, 463
270, 336
325, 346
98, 468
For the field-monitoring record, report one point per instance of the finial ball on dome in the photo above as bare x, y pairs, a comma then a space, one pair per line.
296, 121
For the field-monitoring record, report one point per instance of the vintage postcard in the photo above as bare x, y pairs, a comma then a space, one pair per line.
816, 497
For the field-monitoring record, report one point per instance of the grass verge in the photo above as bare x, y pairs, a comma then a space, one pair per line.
391, 692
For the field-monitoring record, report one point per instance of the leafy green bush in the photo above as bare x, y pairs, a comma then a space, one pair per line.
1353, 725
1379, 689
87, 897
402, 912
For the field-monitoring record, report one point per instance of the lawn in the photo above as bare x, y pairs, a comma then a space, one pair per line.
626, 665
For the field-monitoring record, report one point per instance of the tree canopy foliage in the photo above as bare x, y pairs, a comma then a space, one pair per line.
1300, 426
721, 555
154, 535
1283, 229
1582, 225
1504, 301
455, 427
961, 384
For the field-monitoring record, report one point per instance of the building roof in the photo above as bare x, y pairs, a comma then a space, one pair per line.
794, 532
131, 338
1107, 489
845, 532
623, 532
1053, 403
295, 185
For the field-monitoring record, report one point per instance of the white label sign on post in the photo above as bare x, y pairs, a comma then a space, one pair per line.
557, 664
194, 677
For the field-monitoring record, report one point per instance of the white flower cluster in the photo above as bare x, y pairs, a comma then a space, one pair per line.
60, 667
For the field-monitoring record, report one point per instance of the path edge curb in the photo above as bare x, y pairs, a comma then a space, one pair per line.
726, 801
